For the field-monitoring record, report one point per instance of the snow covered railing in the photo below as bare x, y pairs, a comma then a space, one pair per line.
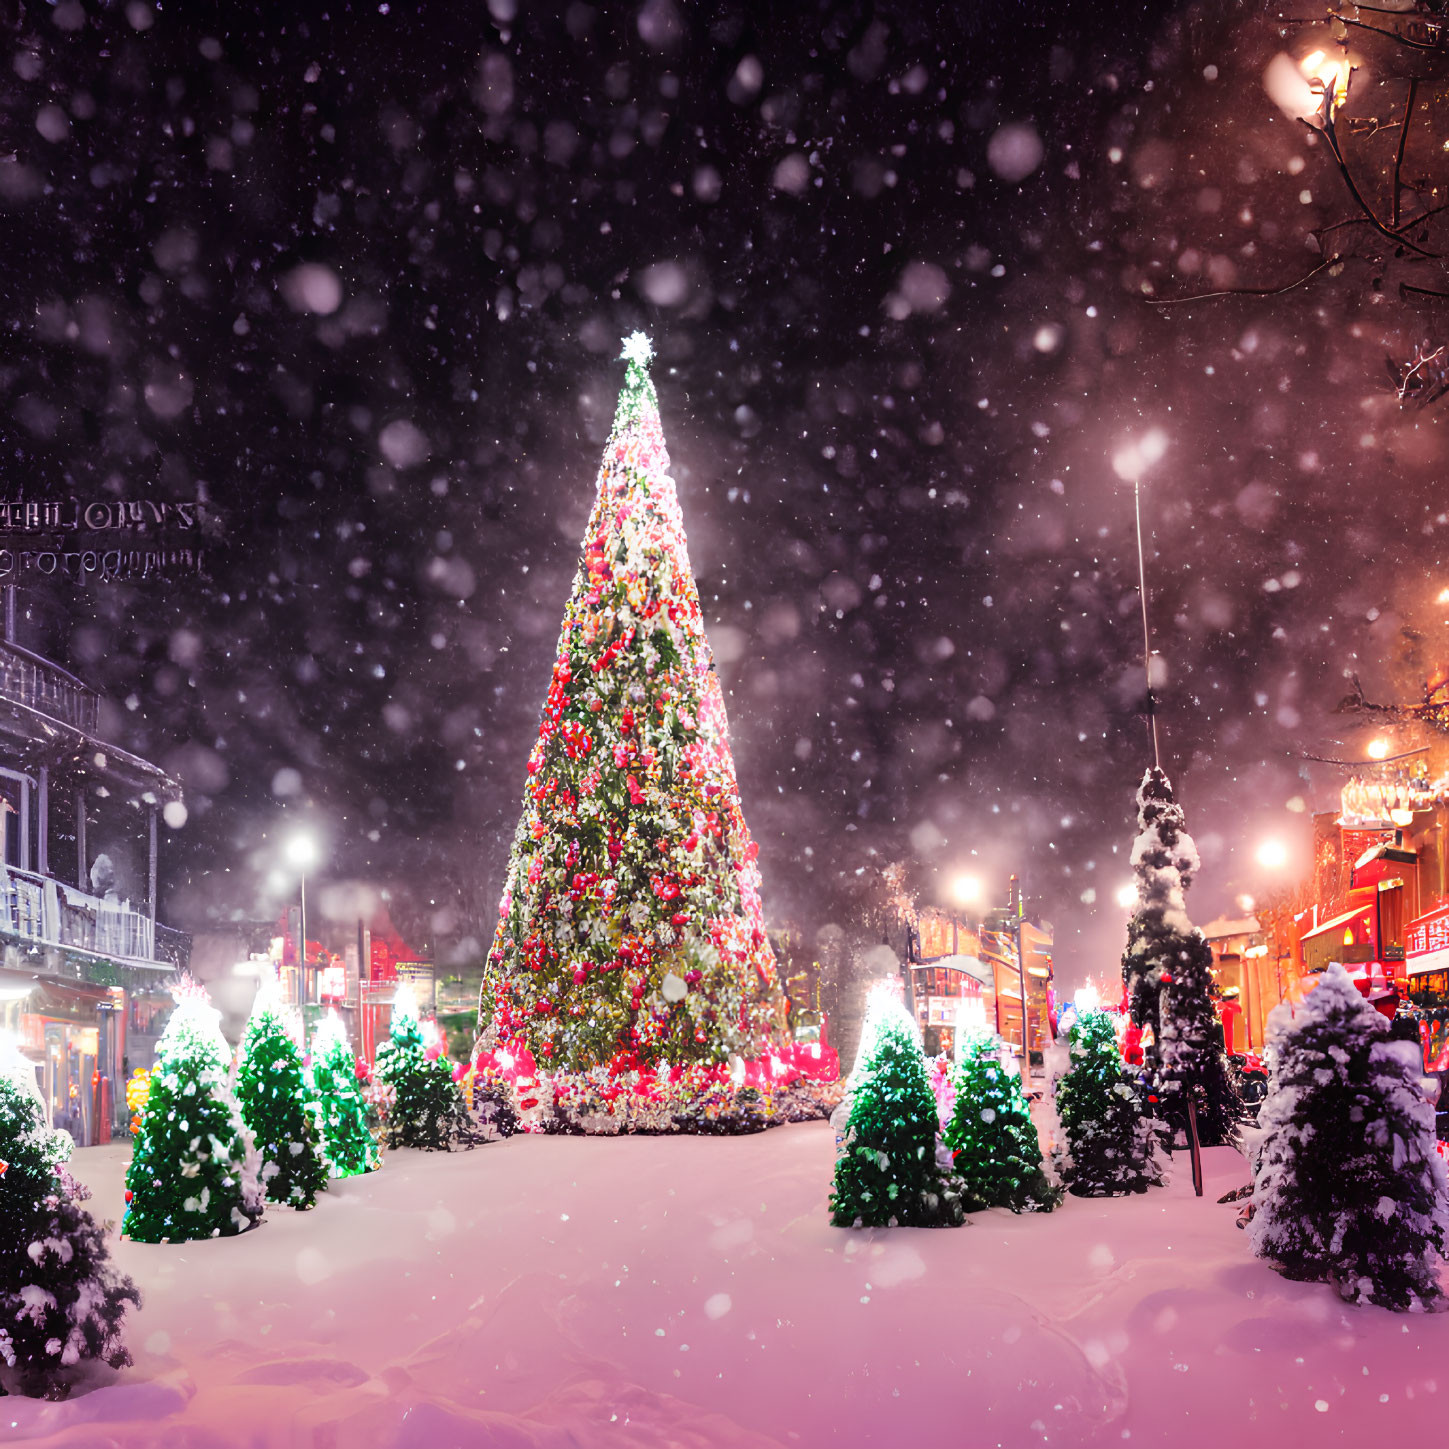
39, 908
47, 688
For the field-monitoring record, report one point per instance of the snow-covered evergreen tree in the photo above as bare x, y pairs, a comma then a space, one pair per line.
424, 1105
1111, 1145
350, 1147
1347, 1184
278, 1105
1167, 968
991, 1135
193, 1172
890, 1172
631, 923
61, 1299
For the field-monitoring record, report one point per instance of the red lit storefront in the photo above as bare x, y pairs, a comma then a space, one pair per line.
1427, 960
1364, 922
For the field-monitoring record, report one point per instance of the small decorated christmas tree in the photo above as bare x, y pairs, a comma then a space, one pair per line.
349, 1144
424, 1105
193, 1173
61, 1300
992, 1138
1111, 1146
277, 1105
1167, 968
1347, 1184
889, 1172
630, 925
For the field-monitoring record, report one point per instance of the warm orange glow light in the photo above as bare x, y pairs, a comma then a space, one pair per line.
1329, 76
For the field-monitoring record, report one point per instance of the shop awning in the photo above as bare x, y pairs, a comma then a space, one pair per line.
48, 996
1337, 923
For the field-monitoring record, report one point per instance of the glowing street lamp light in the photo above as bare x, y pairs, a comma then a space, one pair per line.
301, 850
1272, 855
1378, 749
1127, 896
966, 889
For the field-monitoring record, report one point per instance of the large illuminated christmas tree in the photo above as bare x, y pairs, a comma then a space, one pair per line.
630, 926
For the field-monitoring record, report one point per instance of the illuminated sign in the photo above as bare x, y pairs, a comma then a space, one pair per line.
1426, 942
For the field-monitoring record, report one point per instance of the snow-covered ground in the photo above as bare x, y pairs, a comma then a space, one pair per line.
690, 1291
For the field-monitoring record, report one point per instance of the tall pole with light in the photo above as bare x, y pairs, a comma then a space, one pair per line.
1129, 463
302, 855
1015, 905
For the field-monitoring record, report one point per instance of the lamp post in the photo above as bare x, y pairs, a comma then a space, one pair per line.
1129, 463
967, 888
1015, 905
302, 853
1272, 856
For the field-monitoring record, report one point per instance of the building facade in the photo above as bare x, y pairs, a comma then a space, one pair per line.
85, 965
1376, 900
967, 969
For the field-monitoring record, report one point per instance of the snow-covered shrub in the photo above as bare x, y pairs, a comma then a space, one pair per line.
424, 1106
349, 1143
1347, 1185
890, 1172
1111, 1145
493, 1109
194, 1171
61, 1300
991, 1136
279, 1107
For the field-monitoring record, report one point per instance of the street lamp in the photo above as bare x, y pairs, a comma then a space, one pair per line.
966, 889
1130, 462
1273, 854
302, 854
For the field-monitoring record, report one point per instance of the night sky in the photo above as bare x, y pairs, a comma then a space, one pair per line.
357, 276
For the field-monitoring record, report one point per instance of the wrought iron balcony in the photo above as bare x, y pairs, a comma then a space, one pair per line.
30, 680
42, 909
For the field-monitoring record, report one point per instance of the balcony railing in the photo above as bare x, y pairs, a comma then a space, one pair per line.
173, 946
41, 908
30, 680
